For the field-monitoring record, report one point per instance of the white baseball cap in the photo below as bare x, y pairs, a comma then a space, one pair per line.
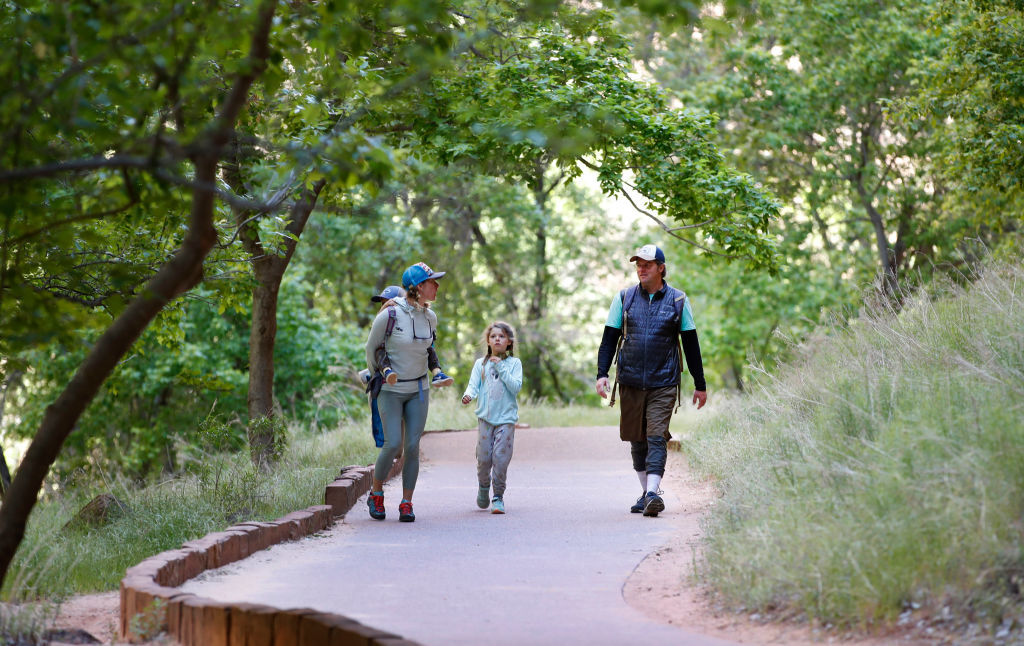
649, 252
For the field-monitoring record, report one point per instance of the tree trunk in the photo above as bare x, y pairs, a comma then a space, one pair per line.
736, 367
534, 312
899, 259
12, 381
538, 299
885, 256
552, 370
507, 293
269, 271
262, 337
178, 275
5, 474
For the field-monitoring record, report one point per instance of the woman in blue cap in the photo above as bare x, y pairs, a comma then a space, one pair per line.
408, 398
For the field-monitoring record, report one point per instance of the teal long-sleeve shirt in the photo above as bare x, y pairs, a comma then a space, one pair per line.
495, 386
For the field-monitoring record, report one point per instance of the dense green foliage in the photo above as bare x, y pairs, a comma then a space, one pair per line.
149, 410
888, 130
450, 135
977, 84
882, 469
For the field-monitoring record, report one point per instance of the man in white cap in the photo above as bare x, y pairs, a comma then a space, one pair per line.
656, 329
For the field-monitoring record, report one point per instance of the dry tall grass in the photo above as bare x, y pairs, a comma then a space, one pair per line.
883, 469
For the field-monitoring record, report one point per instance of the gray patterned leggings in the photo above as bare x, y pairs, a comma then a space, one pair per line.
493, 453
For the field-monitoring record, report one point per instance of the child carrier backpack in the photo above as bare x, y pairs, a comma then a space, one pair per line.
377, 380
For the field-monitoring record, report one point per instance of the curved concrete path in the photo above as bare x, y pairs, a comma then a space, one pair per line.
550, 571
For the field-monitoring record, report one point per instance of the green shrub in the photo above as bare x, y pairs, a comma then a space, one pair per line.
195, 359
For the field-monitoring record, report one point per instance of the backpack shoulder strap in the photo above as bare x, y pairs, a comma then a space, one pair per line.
627, 295
432, 320
389, 327
391, 322
678, 301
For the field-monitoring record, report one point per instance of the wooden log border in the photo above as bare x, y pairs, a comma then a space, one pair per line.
150, 597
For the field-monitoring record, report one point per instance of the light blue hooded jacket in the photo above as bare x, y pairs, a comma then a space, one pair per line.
495, 386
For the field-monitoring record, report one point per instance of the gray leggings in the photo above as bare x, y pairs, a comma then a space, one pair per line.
395, 407
493, 454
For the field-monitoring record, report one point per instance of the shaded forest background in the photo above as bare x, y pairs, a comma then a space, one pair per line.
788, 157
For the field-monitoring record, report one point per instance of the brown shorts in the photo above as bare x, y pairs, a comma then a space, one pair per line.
643, 413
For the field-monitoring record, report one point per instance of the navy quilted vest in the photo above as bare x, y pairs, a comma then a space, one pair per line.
649, 357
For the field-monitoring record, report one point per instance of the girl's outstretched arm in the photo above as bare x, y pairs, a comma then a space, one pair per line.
472, 389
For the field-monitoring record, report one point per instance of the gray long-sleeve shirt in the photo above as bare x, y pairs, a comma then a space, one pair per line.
407, 346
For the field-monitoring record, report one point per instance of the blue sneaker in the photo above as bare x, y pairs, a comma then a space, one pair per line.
653, 504
375, 501
497, 505
638, 506
483, 496
441, 380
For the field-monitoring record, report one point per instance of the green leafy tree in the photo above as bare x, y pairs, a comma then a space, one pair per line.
533, 139
877, 126
971, 97
144, 416
314, 125
142, 115
95, 72
480, 230
754, 318
804, 97
978, 84
539, 108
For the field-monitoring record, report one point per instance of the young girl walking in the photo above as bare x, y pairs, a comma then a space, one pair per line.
496, 380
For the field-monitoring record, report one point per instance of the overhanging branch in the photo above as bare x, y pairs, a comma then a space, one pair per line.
672, 231
667, 229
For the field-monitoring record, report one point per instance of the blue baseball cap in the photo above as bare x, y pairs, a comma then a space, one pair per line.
391, 291
418, 273
649, 252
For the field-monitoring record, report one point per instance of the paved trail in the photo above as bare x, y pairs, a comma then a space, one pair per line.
550, 571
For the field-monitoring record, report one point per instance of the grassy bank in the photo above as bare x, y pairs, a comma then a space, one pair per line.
881, 473
55, 561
